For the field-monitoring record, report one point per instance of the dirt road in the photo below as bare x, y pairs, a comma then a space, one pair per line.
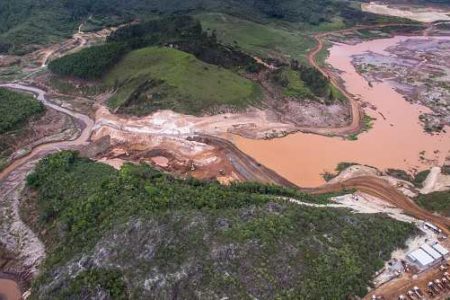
86, 124
247, 168
380, 188
357, 113
250, 170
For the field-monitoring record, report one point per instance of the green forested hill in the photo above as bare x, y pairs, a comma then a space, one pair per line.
150, 79
140, 234
24, 23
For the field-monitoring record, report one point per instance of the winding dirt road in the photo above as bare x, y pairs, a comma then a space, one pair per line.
248, 168
86, 124
357, 113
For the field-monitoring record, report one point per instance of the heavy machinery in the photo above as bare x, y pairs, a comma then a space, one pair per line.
445, 282
432, 287
411, 295
446, 275
418, 292
438, 283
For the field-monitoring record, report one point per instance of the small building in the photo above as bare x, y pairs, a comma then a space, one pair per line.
439, 248
431, 251
421, 258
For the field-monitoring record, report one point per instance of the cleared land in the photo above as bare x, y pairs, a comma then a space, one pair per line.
162, 78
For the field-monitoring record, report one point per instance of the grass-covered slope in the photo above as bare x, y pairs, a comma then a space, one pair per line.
438, 202
262, 39
140, 234
153, 78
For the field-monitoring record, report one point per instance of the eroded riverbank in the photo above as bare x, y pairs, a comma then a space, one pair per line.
397, 139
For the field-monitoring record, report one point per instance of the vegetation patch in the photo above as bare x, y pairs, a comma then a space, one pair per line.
89, 63
264, 39
303, 82
420, 177
181, 32
16, 109
445, 170
293, 85
27, 23
438, 202
181, 238
352, 137
186, 34
163, 78
368, 122
327, 176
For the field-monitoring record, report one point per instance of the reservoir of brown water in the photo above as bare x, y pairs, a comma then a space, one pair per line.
9, 289
397, 139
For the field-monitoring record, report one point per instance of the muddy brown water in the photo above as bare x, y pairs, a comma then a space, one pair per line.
9, 290
397, 139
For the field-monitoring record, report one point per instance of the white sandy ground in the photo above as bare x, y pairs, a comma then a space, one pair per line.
364, 204
17, 237
167, 122
436, 182
422, 14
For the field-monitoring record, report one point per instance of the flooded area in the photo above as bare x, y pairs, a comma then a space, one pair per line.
9, 290
397, 139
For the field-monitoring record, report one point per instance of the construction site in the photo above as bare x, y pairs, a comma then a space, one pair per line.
419, 272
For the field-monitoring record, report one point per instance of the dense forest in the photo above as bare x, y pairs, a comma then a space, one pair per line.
137, 233
16, 108
438, 202
26, 23
89, 63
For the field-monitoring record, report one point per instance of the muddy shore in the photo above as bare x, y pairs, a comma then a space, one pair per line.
396, 139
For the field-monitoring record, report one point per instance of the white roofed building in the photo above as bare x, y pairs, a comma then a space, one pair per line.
421, 258
431, 251
428, 255
439, 248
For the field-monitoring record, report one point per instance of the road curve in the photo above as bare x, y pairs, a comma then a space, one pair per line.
247, 167
357, 113
42, 150
250, 170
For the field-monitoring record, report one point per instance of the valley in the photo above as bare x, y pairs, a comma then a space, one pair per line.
143, 146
